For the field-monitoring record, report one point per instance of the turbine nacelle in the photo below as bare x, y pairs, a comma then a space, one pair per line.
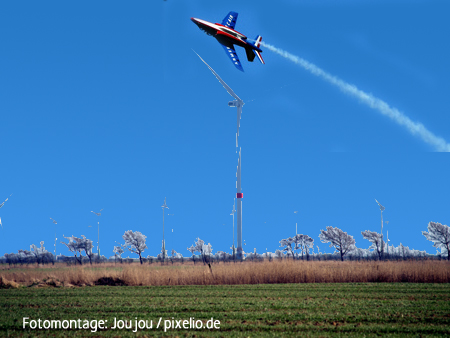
235, 103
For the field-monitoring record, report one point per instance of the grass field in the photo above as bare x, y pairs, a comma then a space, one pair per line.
262, 310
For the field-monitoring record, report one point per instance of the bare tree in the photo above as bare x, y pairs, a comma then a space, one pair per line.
287, 244
135, 242
303, 243
192, 251
74, 247
377, 241
439, 234
223, 256
175, 256
10, 258
278, 254
37, 253
23, 256
118, 251
86, 245
78, 245
342, 242
205, 250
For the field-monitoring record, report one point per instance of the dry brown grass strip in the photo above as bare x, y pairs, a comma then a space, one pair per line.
266, 272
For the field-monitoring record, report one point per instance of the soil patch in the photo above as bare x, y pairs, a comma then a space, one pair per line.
8, 284
110, 281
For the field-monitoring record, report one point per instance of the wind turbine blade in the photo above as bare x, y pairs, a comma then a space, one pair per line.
228, 89
381, 207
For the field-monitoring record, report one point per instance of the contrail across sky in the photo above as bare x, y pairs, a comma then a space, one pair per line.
415, 128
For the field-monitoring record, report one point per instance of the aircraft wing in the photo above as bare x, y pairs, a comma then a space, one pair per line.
230, 20
231, 52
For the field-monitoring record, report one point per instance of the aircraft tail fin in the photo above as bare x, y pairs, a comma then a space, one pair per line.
257, 45
258, 41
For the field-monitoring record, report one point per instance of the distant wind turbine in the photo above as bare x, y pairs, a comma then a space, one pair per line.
54, 222
98, 238
296, 212
381, 209
3, 203
98, 213
164, 206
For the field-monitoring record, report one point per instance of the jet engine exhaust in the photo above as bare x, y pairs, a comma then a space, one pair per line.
415, 128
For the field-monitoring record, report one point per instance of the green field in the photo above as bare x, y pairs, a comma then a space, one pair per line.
263, 310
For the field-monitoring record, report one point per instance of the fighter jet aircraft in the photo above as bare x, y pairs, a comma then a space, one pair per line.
228, 37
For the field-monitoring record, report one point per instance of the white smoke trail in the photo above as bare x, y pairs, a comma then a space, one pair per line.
415, 128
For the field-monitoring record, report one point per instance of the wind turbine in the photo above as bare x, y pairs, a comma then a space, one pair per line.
164, 206
296, 212
3, 203
98, 213
98, 240
238, 103
381, 209
54, 222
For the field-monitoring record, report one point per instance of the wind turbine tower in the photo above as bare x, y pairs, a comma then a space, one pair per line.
54, 222
164, 206
233, 248
381, 209
239, 196
98, 223
238, 103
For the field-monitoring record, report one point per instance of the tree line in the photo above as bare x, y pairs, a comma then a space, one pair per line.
299, 246
344, 243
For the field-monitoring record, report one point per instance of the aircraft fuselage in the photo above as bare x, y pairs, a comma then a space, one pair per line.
223, 34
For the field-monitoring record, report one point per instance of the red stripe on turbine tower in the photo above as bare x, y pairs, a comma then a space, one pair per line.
239, 195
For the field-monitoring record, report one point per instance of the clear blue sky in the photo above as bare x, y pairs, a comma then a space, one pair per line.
105, 105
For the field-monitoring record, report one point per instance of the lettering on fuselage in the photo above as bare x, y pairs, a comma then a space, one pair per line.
233, 56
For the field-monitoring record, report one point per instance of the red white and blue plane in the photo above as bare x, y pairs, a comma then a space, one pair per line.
228, 37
